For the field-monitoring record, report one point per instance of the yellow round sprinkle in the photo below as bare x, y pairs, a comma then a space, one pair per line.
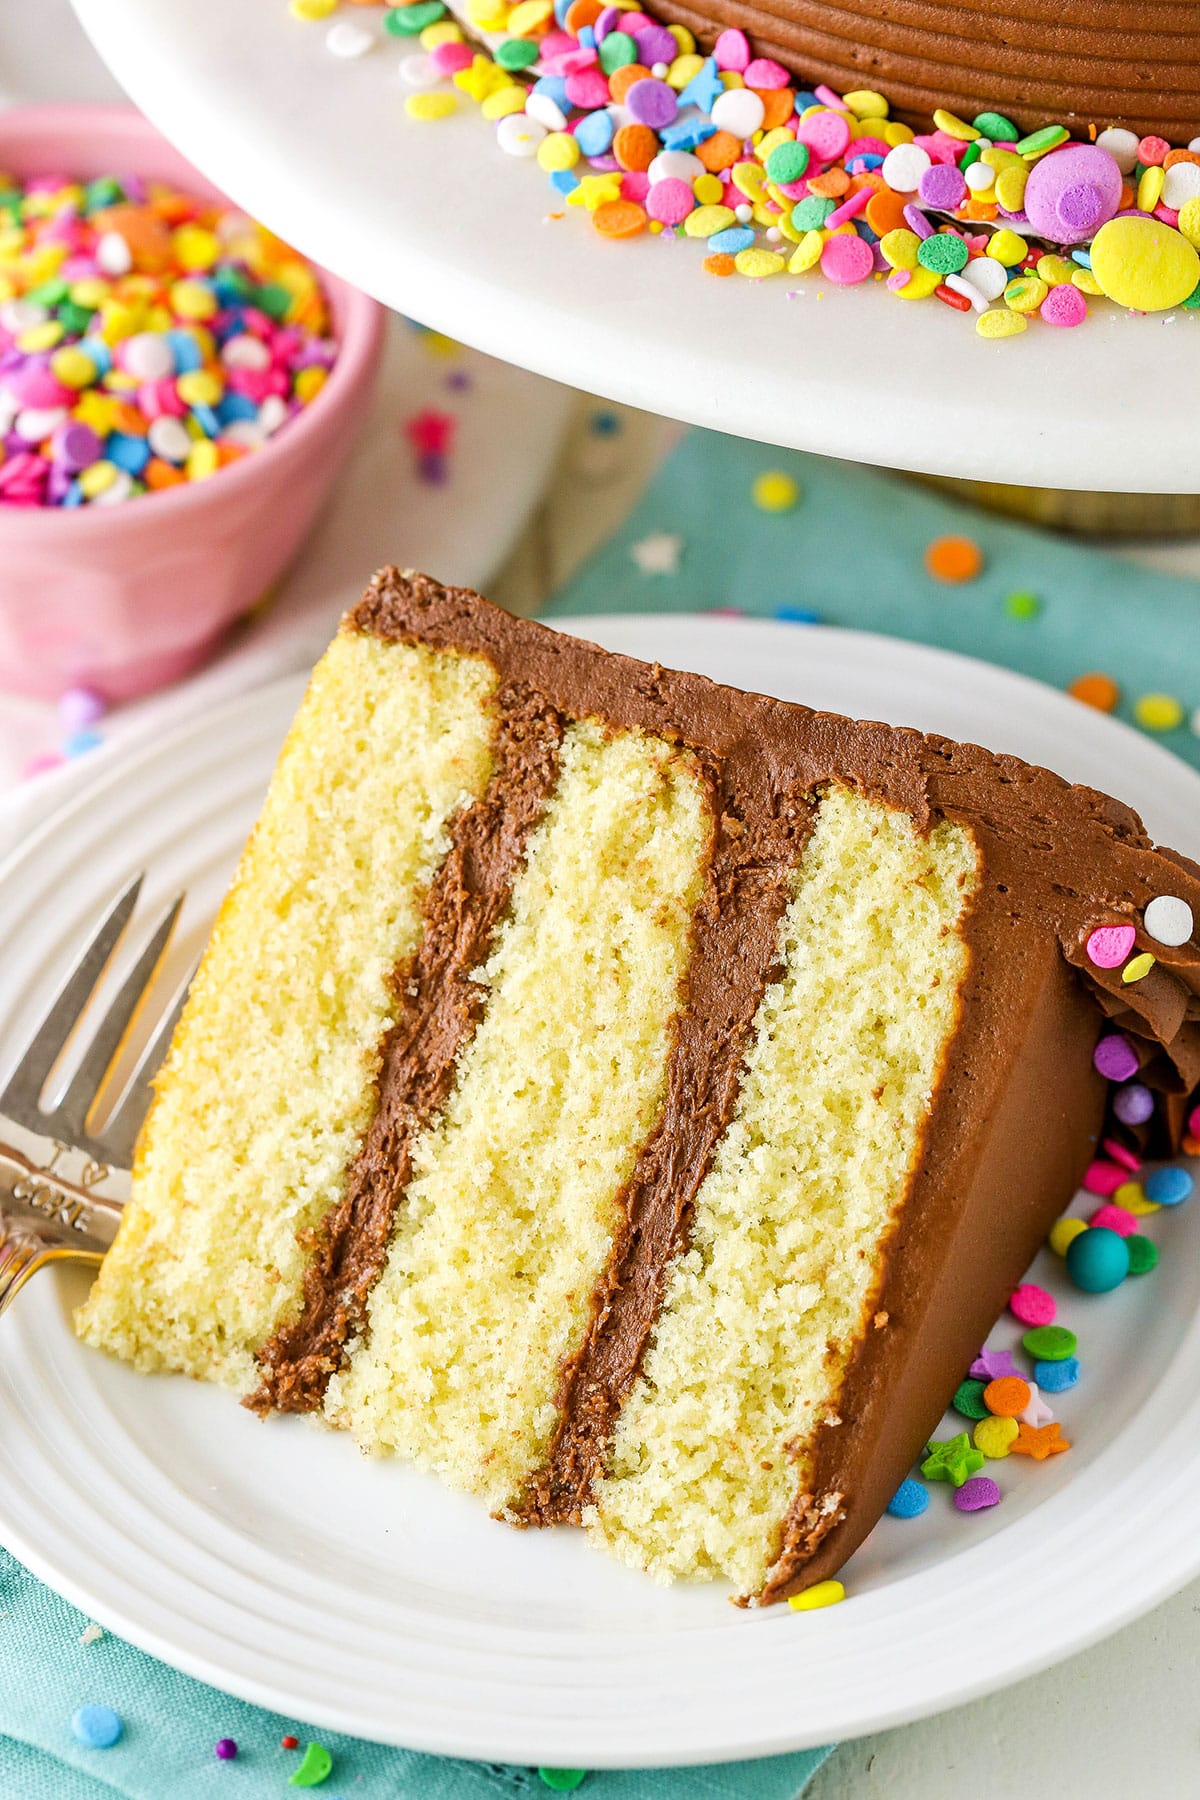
558, 151
807, 253
192, 300
1025, 293
199, 387
41, 337
1064, 1232
195, 247
681, 34
444, 32
309, 383
681, 71
997, 157
527, 16
825, 1593
96, 477
91, 291
775, 491
1132, 1196
1189, 219
311, 9
1055, 270
1137, 968
1158, 712
504, 101
1007, 247
1143, 264
707, 219
1150, 187
995, 1437
203, 460
749, 178
998, 322
757, 262
1010, 187
731, 79
953, 126
895, 131
1086, 282
707, 188
899, 248
865, 103
428, 107
73, 367
920, 284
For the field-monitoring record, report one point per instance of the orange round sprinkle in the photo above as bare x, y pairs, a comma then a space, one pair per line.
954, 559
831, 185
720, 151
885, 212
1095, 689
635, 146
720, 263
621, 80
619, 219
980, 209
1177, 156
581, 13
1007, 1397
778, 106
159, 474
1128, 195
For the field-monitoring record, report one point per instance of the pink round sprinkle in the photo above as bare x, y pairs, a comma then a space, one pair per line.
1103, 1178
846, 260
977, 1494
1153, 150
1032, 1305
670, 201
635, 185
732, 50
448, 59
1110, 945
763, 73
1114, 1218
1127, 1158
1063, 305
1115, 1057
1193, 1123
588, 89
825, 133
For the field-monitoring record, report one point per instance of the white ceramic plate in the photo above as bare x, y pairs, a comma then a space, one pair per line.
439, 223
274, 1561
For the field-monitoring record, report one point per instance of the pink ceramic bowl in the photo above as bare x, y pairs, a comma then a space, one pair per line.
126, 598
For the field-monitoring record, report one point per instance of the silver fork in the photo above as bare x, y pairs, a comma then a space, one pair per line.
62, 1186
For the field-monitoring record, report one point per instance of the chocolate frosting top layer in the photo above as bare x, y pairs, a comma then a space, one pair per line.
1017, 1101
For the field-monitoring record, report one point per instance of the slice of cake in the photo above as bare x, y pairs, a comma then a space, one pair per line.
631, 1099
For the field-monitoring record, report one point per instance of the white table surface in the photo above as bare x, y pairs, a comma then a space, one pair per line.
1118, 1721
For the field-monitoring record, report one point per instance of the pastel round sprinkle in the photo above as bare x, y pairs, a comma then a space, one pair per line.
942, 187
1058, 1377
741, 111
1072, 192
1133, 1104
945, 252
1064, 306
825, 133
775, 491
1113, 1218
1131, 1195
995, 126
225, 1749
1143, 1254
562, 1781
968, 1400
1050, 1343
1061, 1234
758, 263
787, 162
1032, 1304
995, 1436
1168, 1187
1095, 689
1168, 920
977, 1494
1109, 945
1158, 712
1122, 146
909, 1501
518, 135
96, 1727
1137, 968
824, 1593
670, 201
1144, 264
1007, 1396
1115, 1057
1098, 1261
431, 106
903, 167
652, 102
954, 558
846, 260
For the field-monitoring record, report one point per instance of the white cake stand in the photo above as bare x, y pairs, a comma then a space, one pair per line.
437, 222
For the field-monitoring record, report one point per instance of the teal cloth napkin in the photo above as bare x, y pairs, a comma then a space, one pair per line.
851, 552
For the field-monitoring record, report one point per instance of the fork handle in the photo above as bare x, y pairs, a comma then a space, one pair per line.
60, 1192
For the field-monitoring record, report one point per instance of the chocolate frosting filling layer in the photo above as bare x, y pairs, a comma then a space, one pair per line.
438, 1007
1017, 1102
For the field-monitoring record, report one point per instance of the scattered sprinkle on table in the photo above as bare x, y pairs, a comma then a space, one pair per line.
316, 1765
96, 1727
821, 1594
563, 1781
954, 559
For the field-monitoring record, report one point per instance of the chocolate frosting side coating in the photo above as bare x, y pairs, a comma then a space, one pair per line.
1017, 1102
1074, 62
438, 1007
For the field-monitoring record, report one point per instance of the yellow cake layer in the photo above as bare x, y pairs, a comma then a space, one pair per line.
508, 1221
763, 1311
270, 1081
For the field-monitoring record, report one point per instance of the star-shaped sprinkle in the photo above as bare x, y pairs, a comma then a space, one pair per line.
658, 554
1039, 1441
1037, 1412
704, 87
484, 77
993, 1365
954, 1459
596, 190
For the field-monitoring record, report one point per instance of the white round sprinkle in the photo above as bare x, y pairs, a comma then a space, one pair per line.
903, 167
148, 356
519, 136
1121, 145
272, 413
1181, 184
35, 423
247, 433
418, 71
660, 71
120, 488
773, 234
346, 39
679, 165
988, 275
245, 352
168, 438
113, 255
980, 177
542, 108
23, 315
738, 111
743, 213
1168, 919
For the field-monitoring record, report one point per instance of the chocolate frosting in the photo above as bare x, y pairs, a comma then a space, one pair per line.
1018, 1104
1074, 62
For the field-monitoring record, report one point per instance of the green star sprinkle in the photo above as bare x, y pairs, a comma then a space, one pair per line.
953, 1460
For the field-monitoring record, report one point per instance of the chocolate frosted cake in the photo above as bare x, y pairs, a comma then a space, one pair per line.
631, 1099
1078, 62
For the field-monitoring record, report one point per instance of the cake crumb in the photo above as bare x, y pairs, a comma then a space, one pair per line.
91, 1633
